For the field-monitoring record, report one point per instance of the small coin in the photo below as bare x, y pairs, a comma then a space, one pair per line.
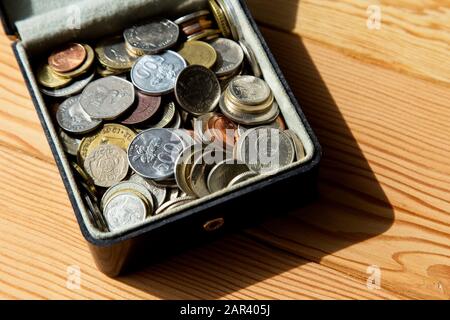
107, 165
298, 145
197, 90
223, 130
192, 16
196, 27
107, 98
47, 78
176, 122
265, 150
146, 107
249, 90
174, 204
157, 74
229, 56
70, 144
198, 53
72, 89
153, 37
205, 35
129, 187
183, 166
251, 58
225, 171
83, 68
72, 118
230, 14
200, 125
153, 153
199, 172
221, 20
67, 58
158, 193
125, 210
116, 134
164, 118
242, 178
112, 53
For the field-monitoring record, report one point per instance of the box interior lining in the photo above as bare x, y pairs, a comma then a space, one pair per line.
287, 109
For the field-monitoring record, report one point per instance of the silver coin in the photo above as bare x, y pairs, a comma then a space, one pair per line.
174, 194
197, 90
157, 74
72, 89
229, 56
125, 210
250, 90
107, 98
72, 118
225, 171
265, 150
174, 204
298, 145
152, 37
70, 144
107, 165
158, 193
152, 154
251, 58
242, 178
127, 187
191, 16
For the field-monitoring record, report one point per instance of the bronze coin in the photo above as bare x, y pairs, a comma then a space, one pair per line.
197, 27
67, 58
146, 107
223, 130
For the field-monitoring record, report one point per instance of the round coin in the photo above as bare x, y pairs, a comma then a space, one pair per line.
70, 144
220, 18
124, 211
192, 16
47, 78
115, 134
153, 37
153, 153
157, 74
298, 145
72, 118
200, 170
225, 171
197, 90
206, 35
67, 58
223, 130
242, 178
129, 187
107, 98
159, 194
183, 166
146, 107
229, 56
72, 89
83, 68
198, 53
249, 90
251, 58
174, 204
164, 118
112, 53
107, 165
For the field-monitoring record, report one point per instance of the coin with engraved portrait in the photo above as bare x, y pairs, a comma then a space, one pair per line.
197, 90
112, 53
157, 74
107, 165
107, 98
249, 90
152, 37
153, 153
125, 210
72, 118
229, 56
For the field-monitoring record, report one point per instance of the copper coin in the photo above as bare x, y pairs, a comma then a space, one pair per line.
197, 27
67, 58
222, 129
146, 107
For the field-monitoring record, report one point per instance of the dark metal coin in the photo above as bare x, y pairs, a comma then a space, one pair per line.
146, 107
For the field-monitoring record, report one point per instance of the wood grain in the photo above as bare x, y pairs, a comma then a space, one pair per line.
384, 181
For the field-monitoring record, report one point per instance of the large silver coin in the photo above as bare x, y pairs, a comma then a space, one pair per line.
107, 165
107, 98
125, 210
158, 193
249, 90
153, 37
197, 90
72, 89
229, 56
157, 74
265, 150
152, 154
72, 118
222, 174
127, 187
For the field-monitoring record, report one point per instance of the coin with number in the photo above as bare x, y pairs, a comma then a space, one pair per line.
153, 153
72, 118
197, 90
157, 74
107, 165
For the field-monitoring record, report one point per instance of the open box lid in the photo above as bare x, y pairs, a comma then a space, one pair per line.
41, 24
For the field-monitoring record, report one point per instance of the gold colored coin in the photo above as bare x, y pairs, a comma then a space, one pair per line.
205, 34
84, 67
198, 53
113, 55
88, 184
47, 78
220, 18
116, 134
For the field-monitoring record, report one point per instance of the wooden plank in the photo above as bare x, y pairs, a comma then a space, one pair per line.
385, 177
414, 37
40, 239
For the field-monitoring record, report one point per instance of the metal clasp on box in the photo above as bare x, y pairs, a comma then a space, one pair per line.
214, 225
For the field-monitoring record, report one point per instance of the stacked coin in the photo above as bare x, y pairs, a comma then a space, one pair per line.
152, 129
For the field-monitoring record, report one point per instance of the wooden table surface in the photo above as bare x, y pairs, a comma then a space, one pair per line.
379, 103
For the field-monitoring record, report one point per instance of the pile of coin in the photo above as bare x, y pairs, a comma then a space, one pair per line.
164, 114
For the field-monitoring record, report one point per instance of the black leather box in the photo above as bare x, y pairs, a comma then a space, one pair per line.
234, 208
